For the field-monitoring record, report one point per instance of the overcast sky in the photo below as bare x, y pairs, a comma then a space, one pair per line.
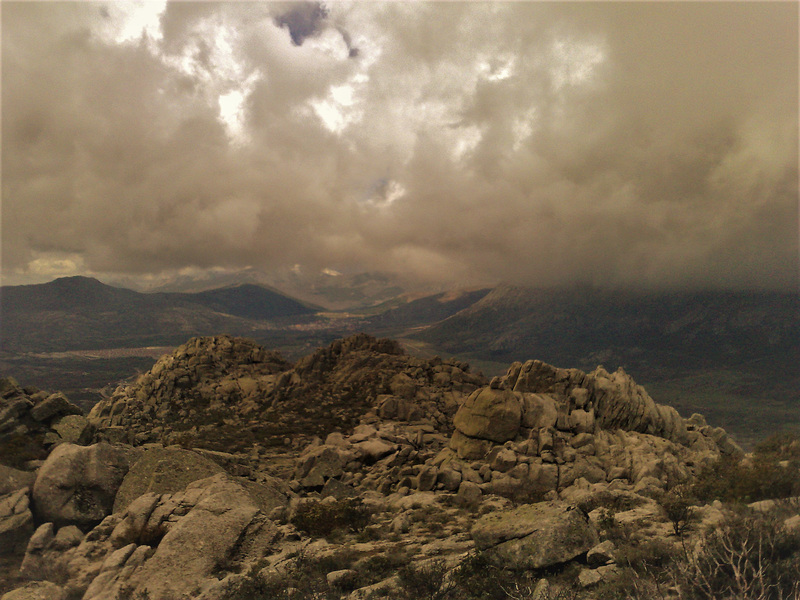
636, 144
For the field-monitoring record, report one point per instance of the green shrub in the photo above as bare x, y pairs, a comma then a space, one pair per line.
649, 556
481, 578
784, 445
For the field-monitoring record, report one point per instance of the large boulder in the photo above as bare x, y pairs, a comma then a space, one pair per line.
166, 546
539, 410
490, 414
622, 404
201, 541
76, 485
162, 471
534, 536
74, 429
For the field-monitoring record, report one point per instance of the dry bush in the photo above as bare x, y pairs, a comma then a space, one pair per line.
750, 556
320, 519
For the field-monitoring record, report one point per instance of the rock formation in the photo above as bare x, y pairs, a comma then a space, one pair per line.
387, 455
223, 392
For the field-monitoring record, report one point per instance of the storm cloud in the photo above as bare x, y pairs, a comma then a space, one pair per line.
632, 144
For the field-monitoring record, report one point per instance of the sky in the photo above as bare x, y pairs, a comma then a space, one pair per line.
640, 144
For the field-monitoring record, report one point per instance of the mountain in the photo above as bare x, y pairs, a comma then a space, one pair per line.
581, 325
426, 310
731, 355
82, 313
326, 287
251, 301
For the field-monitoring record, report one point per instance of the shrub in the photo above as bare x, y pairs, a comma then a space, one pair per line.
426, 582
649, 556
784, 445
481, 578
320, 519
303, 579
773, 473
749, 556
612, 529
676, 504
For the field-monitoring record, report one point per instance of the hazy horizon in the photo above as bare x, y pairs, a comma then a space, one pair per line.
646, 145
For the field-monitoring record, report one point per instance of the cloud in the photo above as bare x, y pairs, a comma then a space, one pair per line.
303, 19
650, 144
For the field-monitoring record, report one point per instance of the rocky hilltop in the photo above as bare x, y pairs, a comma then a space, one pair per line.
226, 473
217, 391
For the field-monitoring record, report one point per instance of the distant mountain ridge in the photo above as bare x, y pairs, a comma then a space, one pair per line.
571, 325
84, 313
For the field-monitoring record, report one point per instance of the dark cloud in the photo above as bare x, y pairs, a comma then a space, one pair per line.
635, 144
303, 20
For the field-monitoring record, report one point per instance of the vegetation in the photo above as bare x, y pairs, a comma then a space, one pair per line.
748, 556
773, 472
320, 519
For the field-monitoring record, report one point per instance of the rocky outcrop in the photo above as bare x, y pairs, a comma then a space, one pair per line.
163, 545
227, 393
32, 421
405, 456
16, 521
548, 408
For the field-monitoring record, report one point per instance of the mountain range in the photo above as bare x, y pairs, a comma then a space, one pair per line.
731, 355
80, 313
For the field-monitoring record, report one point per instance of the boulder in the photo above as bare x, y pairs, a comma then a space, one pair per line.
539, 410
74, 429
16, 522
622, 404
9, 387
36, 590
33, 565
162, 471
469, 494
601, 555
589, 578
76, 485
534, 536
469, 448
490, 414
393, 407
211, 533
54, 405
12, 480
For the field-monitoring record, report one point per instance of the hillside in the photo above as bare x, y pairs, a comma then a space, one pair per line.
76, 313
730, 355
581, 325
425, 311
227, 473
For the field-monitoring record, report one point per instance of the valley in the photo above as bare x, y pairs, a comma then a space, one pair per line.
731, 356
